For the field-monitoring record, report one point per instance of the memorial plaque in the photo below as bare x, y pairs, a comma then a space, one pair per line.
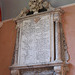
34, 48
40, 47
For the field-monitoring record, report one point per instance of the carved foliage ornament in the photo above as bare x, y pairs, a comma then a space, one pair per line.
35, 6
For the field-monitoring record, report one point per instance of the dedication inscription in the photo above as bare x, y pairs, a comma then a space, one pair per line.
35, 41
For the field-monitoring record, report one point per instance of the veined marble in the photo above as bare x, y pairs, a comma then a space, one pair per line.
35, 41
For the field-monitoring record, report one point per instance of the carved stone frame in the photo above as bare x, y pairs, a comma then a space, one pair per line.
58, 43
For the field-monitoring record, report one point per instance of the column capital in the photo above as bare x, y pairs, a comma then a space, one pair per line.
57, 16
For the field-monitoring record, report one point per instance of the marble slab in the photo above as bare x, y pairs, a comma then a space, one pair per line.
34, 46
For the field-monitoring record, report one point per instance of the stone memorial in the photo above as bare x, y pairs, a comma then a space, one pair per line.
40, 43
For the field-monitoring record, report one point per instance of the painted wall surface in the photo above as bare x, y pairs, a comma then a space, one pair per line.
69, 30
8, 37
11, 8
7, 42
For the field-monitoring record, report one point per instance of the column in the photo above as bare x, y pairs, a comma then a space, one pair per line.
57, 37
57, 41
57, 69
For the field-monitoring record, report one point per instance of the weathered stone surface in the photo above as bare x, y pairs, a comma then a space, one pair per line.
41, 71
34, 46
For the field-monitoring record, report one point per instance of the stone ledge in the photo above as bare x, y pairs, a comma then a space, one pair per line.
38, 66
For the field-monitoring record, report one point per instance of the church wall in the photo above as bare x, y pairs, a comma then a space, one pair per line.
7, 42
68, 21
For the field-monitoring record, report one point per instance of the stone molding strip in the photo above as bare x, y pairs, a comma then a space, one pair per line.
39, 66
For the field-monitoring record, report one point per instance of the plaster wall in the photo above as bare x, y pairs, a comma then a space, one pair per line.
68, 21
7, 42
8, 37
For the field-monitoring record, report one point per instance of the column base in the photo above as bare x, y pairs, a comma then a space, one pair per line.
15, 72
58, 61
58, 70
